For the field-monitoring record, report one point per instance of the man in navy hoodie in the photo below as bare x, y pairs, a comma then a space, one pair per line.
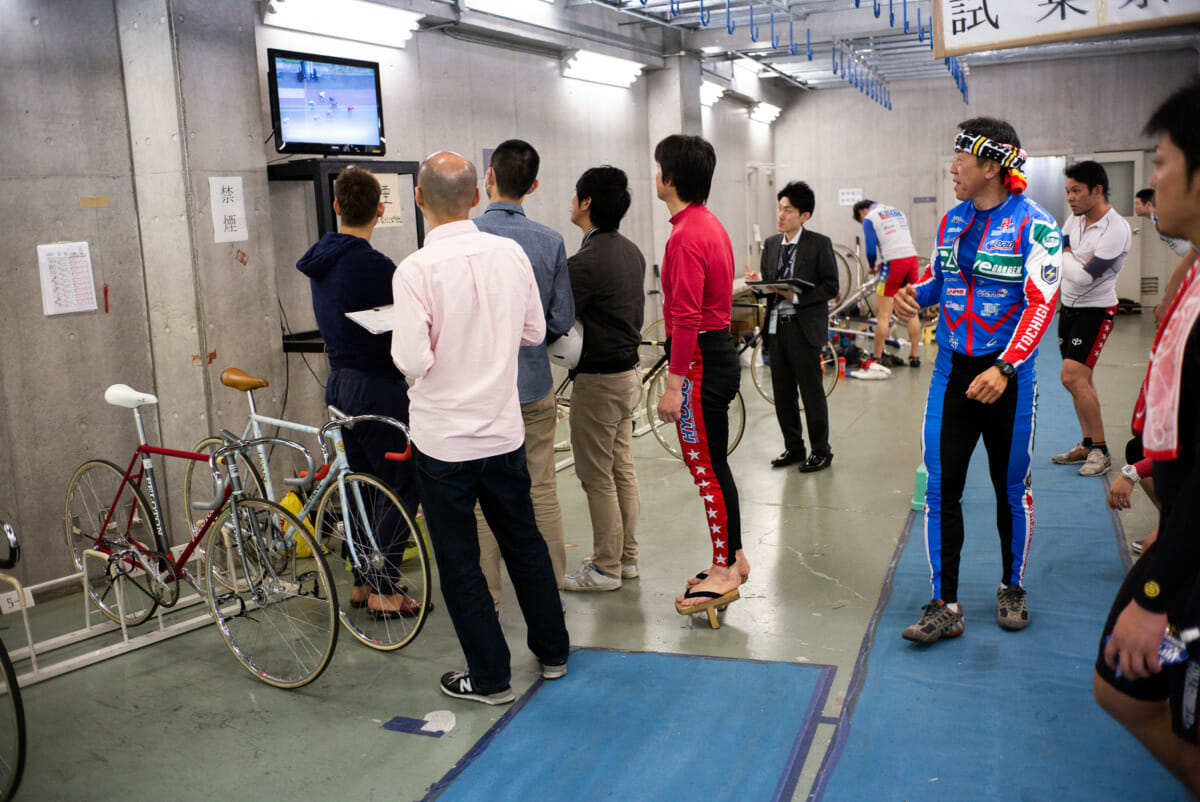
348, 275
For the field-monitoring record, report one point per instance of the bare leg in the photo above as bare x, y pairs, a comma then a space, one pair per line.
1150, 723
1077, 378
884, 323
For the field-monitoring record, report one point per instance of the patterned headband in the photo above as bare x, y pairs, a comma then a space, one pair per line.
979, 145
1007, 156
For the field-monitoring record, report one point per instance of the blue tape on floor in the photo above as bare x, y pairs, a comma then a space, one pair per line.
994, 714
412, 726
632, 725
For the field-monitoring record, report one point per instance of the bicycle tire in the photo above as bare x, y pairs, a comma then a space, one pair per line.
203, 488
12, 730
760, 371
847, 282
370, 500
283, 626
666, 433
91, 492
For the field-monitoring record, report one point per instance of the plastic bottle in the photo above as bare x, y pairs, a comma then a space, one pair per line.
841, 367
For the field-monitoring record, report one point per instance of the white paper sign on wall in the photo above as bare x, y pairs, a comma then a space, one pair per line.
849, 197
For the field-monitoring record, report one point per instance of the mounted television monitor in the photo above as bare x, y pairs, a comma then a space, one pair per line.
325, 104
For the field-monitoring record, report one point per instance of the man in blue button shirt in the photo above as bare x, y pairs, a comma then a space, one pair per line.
511, 177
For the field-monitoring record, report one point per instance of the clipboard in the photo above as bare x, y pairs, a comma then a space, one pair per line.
377, 321
798, 285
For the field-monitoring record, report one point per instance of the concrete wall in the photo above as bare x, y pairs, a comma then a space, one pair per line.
840, 138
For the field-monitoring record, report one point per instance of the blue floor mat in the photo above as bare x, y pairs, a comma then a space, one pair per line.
994, 714
634, 725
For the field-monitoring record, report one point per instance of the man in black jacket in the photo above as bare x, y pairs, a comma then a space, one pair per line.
798, 327
348, 275
607, 276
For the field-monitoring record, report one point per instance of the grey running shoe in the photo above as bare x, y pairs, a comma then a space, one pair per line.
459, 685
554, 672
939, 621
1078, 454
588, 578
1011, 612
1097, 463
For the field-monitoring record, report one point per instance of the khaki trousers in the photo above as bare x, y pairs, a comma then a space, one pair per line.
602, 410
540, 421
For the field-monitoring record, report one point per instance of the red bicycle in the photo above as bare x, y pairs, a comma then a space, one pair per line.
276, 611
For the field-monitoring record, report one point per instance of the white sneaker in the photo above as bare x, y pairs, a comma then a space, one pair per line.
1097, 463
554, 672
629, 571
588, 578
871, 371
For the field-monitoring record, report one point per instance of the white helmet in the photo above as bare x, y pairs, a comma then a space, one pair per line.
566, 349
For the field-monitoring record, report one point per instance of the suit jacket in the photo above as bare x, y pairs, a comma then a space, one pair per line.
813, 262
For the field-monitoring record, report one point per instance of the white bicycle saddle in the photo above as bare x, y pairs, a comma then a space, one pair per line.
122, 395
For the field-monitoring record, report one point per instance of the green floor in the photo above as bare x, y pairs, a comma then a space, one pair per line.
181, 720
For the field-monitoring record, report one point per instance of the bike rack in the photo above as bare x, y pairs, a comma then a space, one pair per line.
168, 623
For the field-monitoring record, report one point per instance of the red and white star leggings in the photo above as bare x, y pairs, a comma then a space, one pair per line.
703, 428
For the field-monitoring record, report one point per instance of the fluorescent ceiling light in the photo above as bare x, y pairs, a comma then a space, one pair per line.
765, 113
584, 65
356, 20
710, 92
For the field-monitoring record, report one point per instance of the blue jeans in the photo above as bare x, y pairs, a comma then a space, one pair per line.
449, 491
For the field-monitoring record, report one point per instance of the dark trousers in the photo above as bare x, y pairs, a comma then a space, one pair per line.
500, 484
796, 366
954, 424
357, 393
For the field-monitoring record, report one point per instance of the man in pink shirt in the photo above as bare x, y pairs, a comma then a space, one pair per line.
465, 303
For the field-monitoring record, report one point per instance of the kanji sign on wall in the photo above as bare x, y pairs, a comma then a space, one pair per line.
969, 26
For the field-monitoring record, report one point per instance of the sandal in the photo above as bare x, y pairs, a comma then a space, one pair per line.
716, 603
703, 575
409, 608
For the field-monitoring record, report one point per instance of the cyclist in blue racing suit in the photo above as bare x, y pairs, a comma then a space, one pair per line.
995, 273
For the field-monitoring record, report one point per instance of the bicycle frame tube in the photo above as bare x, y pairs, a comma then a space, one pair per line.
254, 427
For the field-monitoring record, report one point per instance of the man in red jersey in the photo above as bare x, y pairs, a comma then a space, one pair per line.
704, 371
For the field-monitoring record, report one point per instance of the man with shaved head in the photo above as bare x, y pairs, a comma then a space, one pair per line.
465, 303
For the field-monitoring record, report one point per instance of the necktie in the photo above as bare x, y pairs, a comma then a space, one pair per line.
785, 260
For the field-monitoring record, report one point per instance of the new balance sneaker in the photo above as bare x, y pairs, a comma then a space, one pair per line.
554, 672
1137, 546
459, 685
871, 371
937, 622
1097, 462
1011, 612
629, 571
588, 578
1078, 454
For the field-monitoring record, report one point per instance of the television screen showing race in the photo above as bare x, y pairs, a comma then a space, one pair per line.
326, 105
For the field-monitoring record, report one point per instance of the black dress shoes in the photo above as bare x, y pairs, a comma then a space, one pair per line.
787, 458
816, 462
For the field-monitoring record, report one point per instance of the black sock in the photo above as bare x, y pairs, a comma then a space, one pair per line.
1087, 443
1102, 445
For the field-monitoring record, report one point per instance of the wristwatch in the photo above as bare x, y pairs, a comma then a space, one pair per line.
1006, 368
1130, 473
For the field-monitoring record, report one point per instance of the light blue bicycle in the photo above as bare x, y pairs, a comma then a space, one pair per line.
355, 516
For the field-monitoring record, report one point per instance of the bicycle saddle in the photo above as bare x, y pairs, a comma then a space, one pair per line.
240, 380
122, 395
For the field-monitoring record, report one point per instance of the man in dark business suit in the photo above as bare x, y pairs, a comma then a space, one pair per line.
798, 326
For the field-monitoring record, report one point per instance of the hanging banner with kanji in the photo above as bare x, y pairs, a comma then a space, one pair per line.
970, 26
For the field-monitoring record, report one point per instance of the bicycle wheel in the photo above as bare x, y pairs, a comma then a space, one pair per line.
653, 347
276, 612
12, 729
90, 496
372, 509
737, 422
760, 371
829, 368
845, 275
198, 483
664, 433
